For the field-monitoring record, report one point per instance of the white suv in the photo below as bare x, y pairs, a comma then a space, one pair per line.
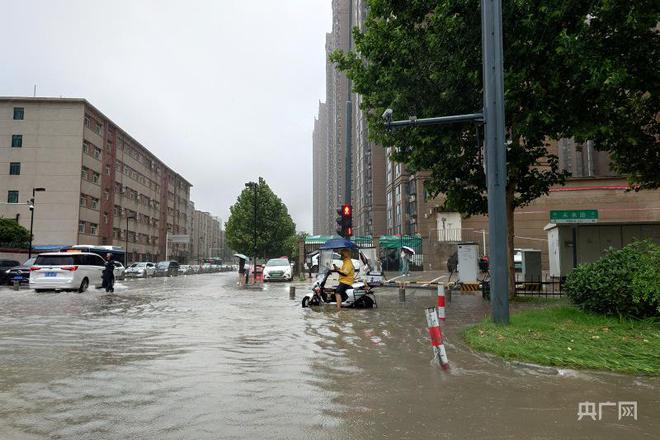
66, 271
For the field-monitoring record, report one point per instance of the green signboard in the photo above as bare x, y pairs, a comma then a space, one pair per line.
574, 216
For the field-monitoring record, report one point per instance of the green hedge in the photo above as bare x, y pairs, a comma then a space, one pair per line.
625, 282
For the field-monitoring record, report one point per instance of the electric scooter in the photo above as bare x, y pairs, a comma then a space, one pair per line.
360, 295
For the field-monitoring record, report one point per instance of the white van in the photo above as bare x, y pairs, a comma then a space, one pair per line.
66, 271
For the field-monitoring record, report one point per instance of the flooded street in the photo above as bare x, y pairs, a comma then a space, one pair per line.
195, 358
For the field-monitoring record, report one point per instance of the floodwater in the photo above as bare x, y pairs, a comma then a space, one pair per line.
195, 358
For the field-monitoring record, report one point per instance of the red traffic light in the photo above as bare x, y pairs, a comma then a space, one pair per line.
346, 210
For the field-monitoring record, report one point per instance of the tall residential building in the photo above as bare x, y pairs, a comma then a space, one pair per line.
102, 187
367, 160
320, 171
368, 164
207, 237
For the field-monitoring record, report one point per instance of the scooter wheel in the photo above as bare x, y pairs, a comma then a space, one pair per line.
305, 302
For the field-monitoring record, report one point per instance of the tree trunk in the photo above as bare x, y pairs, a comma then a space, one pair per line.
510, 235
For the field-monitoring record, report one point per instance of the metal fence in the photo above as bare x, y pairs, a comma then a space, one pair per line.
545, 287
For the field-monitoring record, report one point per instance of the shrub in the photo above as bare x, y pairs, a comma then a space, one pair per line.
625, 282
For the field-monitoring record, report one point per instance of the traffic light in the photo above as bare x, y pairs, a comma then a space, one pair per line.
345, 221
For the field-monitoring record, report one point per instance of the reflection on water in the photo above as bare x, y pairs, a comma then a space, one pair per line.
192, 357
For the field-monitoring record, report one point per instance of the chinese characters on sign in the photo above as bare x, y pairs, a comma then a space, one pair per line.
595, 409
574, 216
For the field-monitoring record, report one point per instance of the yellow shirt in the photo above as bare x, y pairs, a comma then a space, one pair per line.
347, 272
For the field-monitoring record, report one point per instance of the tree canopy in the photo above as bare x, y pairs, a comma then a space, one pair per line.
12, 233
275, 230
573, 68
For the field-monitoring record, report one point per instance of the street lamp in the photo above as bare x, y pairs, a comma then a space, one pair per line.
254, 266
128, 217
34, 191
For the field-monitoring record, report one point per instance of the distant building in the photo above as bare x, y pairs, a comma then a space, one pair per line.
207, 236
329, 143
102, 186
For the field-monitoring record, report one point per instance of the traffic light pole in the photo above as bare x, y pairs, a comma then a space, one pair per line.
496, 174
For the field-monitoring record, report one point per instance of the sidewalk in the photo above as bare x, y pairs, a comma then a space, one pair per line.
421, 277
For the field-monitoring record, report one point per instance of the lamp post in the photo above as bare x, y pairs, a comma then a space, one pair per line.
254, 265
128, 217
34, 191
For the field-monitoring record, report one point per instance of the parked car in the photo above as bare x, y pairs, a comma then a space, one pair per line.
4, 266
20, 273
142, 269
66, 271
278, 269
119, 270
167, 269
195, 268
185, 269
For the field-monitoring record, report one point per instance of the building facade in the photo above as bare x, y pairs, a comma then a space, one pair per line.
102, 187
207, 237
335, 120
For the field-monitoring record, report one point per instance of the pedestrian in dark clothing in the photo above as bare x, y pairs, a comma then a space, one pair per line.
109, 274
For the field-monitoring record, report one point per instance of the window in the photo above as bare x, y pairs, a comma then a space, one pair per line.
92, 228
81, 227
83, 201
85, 147
98, 128
95, 203
106, 219
16, 140
83, 173
95, 177
12, 196
107, 170
14, 168
19, 113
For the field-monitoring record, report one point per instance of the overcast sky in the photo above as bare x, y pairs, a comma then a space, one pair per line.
223, 91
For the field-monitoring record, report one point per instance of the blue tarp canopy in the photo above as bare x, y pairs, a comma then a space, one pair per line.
48, 247
338, 243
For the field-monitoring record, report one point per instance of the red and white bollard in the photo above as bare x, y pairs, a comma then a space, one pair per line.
436, 337
441, 301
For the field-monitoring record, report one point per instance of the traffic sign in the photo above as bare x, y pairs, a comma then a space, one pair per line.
574, 216
178, 238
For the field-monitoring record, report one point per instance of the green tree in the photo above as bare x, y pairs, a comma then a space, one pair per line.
11, 233
423, 58
275, 229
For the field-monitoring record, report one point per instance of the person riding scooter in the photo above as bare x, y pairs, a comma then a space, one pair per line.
346, 277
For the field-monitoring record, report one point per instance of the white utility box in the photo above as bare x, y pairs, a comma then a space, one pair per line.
528, 269
468, 262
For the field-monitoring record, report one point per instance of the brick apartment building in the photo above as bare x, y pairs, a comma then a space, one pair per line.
102, 186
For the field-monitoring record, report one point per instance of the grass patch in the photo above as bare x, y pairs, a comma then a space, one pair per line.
564, 336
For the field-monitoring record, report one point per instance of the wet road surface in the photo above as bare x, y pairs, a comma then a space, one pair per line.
195, 358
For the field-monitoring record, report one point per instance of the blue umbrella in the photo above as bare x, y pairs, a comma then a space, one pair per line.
338, 243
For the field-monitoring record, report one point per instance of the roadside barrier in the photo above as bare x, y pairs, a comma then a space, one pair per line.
435, 332
470, 287
292, 292
441, 301
402, 293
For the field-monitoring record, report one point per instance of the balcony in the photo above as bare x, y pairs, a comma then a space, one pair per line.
452, 235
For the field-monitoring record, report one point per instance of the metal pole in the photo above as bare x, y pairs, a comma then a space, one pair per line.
31, 222
483, 242
254, 265
348, 162
496, 174
126, 250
